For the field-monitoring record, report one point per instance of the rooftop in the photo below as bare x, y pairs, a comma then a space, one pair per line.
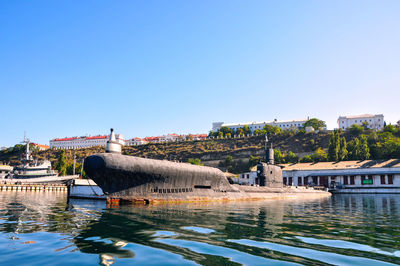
264, 122
343, 165
360, 116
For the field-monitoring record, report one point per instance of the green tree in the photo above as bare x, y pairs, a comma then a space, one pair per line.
343, 149
272, 130
315, 123
246, 130
356, 129
364, 149
365, 125
253, 160
334, 146
213, 133
228, 160
291, 157
307, 159
62, 164
279, 156
319, 155
239, 131
225, 130
354, 149
195, 161
258, 132
390, 128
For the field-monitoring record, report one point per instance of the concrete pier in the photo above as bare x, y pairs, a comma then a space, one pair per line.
33, 187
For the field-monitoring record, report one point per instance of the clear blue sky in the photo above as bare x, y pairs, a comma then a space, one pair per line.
70, 68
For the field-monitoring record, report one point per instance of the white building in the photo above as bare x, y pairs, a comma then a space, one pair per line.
135, 142
367, 176
83, 142
169, 137
291, 124
374, 121
248, 178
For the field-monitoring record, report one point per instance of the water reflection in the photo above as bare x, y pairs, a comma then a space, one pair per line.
343, 229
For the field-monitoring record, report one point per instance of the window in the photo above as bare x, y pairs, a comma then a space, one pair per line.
366, 180
290, 181
390, 179
383, 181
352, 180
248, 176
345, 180
284, 180
299, 183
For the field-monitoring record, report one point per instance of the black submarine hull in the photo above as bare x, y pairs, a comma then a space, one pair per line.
128, 178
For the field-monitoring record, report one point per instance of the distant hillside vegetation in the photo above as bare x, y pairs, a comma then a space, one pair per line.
211, 151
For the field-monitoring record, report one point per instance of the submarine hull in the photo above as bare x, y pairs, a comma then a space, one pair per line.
128, 178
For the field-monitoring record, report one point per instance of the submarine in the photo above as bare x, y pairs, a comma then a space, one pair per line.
130, 179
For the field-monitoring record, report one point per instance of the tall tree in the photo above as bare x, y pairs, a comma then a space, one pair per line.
334, 146
364, 149
62, 164
343, 149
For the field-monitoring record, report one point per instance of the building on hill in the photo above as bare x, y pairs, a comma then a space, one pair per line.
290, 124
135, 142
199, 136
369, 176
374, 121
165, 138
41, 147
83, 142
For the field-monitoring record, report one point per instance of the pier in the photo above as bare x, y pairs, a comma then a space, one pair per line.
33, 187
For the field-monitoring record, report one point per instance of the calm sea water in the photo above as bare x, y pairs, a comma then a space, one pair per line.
41, 229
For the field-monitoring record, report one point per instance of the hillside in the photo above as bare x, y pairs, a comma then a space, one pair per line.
211, 152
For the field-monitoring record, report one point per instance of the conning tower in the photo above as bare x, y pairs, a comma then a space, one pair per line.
113, 146
269, 174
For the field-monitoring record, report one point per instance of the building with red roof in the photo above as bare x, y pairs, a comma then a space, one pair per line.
83, 142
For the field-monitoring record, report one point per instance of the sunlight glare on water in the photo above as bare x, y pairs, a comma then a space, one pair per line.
39, 228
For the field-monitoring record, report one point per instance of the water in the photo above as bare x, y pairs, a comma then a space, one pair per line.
39, 228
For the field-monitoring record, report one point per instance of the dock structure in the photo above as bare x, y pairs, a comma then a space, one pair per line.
33, 187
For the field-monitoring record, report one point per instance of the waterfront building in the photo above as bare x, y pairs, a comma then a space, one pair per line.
248, 178
369, 176
374, 121
290, 124
83, 142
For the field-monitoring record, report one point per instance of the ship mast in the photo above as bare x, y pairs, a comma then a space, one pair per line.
27, 142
